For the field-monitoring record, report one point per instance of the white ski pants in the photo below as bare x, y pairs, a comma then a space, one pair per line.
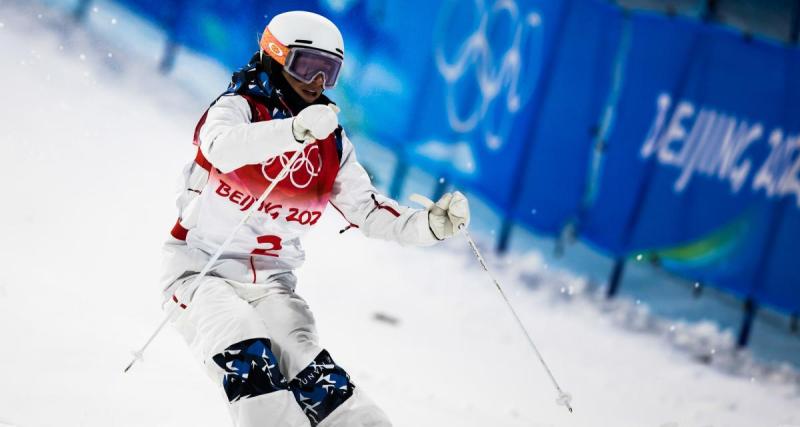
264, 352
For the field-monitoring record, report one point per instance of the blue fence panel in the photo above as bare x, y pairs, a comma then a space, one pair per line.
478, 104
555, 170
780, 284
693, 129
778, 178
388, 60
649, 72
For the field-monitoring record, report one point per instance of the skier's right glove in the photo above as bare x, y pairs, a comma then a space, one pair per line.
446, 216
315, 122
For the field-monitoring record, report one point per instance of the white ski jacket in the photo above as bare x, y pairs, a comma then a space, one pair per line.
239, 155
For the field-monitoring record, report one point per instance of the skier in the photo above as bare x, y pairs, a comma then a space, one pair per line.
255, 336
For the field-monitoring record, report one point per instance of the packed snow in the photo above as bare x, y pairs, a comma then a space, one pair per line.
93, 140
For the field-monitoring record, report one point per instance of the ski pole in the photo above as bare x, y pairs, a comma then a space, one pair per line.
139, 355
563, 398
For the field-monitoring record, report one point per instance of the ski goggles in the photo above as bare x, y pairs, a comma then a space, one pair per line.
305, 64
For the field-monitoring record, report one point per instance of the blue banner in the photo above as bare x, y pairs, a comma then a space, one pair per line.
687, 168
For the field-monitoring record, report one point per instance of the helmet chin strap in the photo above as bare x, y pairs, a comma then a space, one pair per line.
293, 99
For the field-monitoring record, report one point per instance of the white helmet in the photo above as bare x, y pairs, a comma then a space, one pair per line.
306, 44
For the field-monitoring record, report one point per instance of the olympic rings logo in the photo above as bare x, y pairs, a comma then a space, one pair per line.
475, 62
307, 166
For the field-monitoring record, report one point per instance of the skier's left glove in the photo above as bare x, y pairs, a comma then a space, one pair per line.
447, 215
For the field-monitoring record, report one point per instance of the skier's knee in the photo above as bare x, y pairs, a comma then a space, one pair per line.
321, 387
251, 369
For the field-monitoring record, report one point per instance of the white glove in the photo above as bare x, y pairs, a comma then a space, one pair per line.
446, 216
315, 122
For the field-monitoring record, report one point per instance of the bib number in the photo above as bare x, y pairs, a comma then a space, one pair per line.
270, 244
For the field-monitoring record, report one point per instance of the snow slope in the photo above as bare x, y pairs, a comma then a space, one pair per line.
92, 145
